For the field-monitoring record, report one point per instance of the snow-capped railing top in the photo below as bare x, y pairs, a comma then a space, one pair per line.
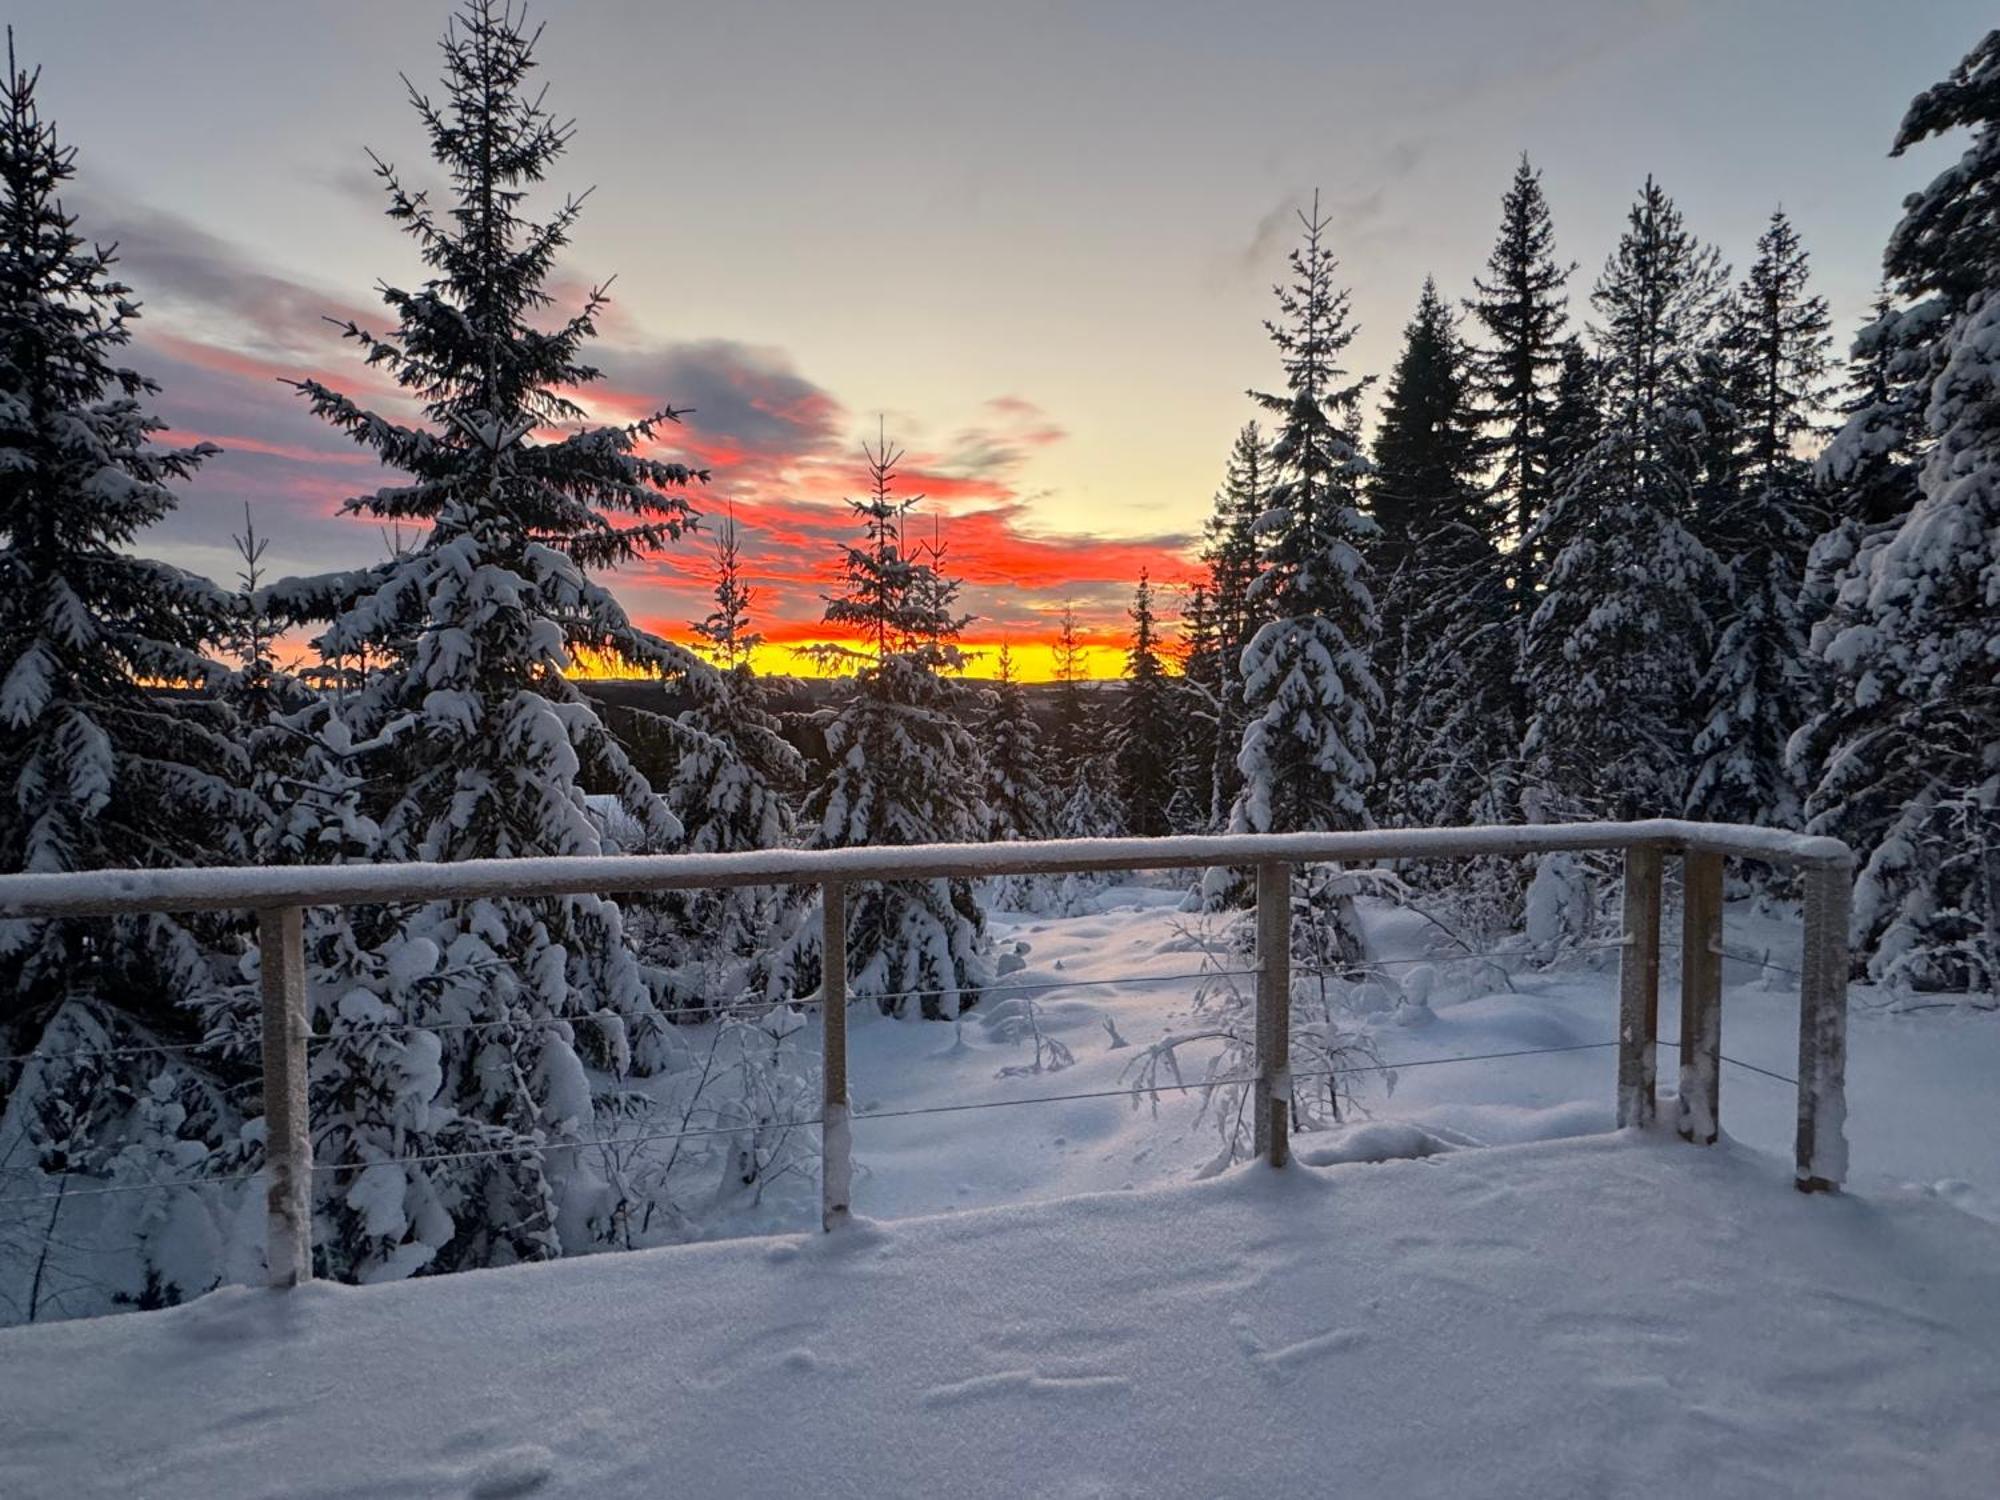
97, 892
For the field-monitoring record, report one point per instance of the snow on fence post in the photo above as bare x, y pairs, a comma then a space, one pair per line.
288, 1164
1271, 1110
1639, 990
1822, 1138
836, 1137
1701, 996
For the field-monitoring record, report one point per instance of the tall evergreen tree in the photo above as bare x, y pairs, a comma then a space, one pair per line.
1758, 690
1089, 805
725, 630
1523, 308
1198, 714
1309, 692
1017, 770
1017, 785
1618, 642
733, 780
1446, 658
103, 767
1867, 478
483, 747
1230, 553
1148, 726
1867, 474
903, 770
1912, 778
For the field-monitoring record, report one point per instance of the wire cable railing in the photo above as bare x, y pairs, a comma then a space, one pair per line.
1136, 1093
282, 1031
1748, 1067
698, 1012
1763, 961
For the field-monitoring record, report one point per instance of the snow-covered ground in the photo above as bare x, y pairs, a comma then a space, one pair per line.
1611, 1315
1622, 1315
1924, 1088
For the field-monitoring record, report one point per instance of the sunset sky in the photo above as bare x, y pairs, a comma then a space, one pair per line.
1036, 239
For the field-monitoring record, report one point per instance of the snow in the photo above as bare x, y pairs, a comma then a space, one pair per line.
1566, 1311
1617, 1316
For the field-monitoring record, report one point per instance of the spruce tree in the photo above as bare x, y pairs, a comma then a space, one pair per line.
725, 630
1148, 726
734, 776
1198, 712
1309, 692
1867, 474
1017, 772
1309, 689
1913, 777
903, 770
1089, 806
1619, 640
1446, 659
493, 1030
114, 751
1522, 307
1230, 550
1867, 479
1016, 782
1758, 689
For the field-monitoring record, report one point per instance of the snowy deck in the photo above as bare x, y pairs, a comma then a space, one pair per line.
1608, 1316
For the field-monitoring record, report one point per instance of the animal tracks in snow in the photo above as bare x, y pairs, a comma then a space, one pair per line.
782, 1348
1278, 1362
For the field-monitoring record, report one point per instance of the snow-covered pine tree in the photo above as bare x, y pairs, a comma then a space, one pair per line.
1446, 656
1869, 470
1231, 552
903, 770
1555, 898
1017, 771
1084, 777
1089, 806
725, 630
1867, 478
734, 776
113, 750
1523, 307
1913, 780
1757, 690
1310, 694
1576, 418
478, 1023
1618, 642
1199, 709
1148, 724
1017, 784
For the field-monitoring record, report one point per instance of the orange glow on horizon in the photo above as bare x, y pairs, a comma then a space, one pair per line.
1033, 661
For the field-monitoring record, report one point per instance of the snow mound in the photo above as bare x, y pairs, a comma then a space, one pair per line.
1623, 1315
1377, 1141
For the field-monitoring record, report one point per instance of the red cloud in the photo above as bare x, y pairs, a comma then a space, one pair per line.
781, 458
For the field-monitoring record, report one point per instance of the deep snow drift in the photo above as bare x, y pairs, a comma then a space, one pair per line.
1622, 1315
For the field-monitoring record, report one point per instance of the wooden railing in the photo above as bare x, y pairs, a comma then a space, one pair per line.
279, 895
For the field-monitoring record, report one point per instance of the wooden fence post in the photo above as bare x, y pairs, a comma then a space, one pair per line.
836, 1134
1700, 1109
1639, 991
1822, 1138
1272, 1100
288, 1153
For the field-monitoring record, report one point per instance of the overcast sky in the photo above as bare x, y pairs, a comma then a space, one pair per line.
1037, 239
